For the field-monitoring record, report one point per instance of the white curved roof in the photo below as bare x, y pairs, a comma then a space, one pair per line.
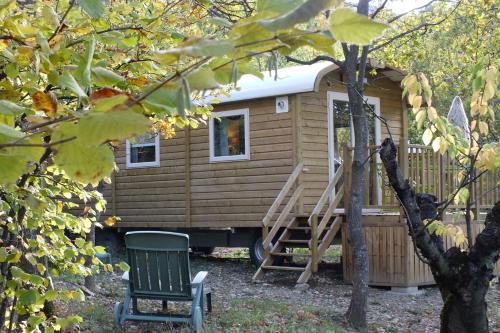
290, 80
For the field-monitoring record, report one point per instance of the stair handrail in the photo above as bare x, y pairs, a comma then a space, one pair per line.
284, 191
313, 221
326, 194
268, 235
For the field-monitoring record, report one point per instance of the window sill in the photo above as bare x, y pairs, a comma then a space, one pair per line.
223, 159
143, 165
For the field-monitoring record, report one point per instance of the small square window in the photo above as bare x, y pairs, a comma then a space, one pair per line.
229, 136
143, 151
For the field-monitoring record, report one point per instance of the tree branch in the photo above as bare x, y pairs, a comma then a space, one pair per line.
379, 9
397, 17
43, 145
414, 29
486, 250
15, 39
61, 22
405, 194
47, 123
81, 40
315, 60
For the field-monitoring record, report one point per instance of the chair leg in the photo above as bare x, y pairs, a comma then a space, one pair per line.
209, 302
134, 306
164, 305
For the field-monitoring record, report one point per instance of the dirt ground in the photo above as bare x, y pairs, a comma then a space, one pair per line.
274, 305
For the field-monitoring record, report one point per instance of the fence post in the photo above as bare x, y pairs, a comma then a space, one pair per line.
314, 243
403, 157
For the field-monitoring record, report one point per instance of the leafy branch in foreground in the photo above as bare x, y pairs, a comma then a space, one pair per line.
78, 76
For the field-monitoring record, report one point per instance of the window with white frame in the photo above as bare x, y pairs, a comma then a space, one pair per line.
229, 136
143, 151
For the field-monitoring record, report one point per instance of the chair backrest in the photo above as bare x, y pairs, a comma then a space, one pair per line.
159, 264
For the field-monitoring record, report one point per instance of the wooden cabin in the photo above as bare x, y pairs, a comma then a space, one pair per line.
270, 170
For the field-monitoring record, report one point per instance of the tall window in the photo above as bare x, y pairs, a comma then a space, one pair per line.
143, 151
229, 136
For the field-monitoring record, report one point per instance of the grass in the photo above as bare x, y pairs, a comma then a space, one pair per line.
267, 315
332, 254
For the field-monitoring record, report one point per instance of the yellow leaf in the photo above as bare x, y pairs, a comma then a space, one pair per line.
483, 127
427, 137
111, 221
46, 102
443, 147
436, 143
417, 102
432, 113
420, 117
473, 125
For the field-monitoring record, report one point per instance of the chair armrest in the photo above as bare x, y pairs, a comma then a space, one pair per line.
199, 278
125, 277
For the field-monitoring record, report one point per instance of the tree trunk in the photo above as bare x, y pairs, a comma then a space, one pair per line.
462, 315
90, 279
356, 314
463, 278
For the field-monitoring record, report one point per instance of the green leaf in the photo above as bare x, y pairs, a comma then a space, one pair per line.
8, 133
276, 7
66, 80
202, 78
99, 127
202, 48
105, 77
303, 13
463, 195
350, 27
83, 163
221, 22
107, 104
162, 101
123, 266
94, 8
86, 63
28, 297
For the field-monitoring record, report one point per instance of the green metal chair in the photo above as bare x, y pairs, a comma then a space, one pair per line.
159, 270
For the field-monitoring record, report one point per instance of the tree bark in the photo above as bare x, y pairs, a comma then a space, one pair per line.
463, 278
90, 279
356, 314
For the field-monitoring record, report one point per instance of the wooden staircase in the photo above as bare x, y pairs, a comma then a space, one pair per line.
291, 231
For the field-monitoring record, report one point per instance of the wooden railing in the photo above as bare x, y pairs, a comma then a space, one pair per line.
268, 235
431, 172
332, 198
427, 171
377, 195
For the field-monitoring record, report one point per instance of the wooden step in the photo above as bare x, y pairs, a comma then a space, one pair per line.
299, 228
294, 241
285, 268
283, 254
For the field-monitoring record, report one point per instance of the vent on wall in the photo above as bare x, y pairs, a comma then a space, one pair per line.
281, 104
